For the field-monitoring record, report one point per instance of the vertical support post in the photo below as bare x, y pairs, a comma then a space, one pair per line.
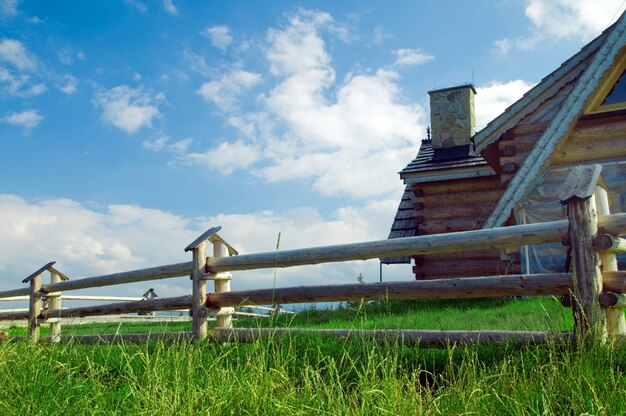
55, 305
34, 309
198, 310
615, 323
224, 318
578, 195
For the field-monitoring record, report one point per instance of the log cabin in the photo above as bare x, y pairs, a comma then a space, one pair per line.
510, 171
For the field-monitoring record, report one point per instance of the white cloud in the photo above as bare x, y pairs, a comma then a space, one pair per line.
137, 5
380, 35
162, 143
70, 87
87, 242
14, 53
226, 90
492, 99
19, 85
219, 36
309, 126
564, 19
406, 57
128, 109
169, 7
227, 157
298, 47
27, 119
9, 7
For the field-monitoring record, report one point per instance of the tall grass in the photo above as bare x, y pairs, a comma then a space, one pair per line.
306, 374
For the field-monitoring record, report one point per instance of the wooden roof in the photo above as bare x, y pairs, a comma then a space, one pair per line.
592, 62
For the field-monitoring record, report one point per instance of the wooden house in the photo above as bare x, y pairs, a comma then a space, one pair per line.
510, 171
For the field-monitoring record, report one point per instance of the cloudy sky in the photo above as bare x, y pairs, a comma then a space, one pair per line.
128, 127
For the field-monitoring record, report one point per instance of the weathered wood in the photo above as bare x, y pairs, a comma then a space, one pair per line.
612, 300
422, 338
612, 148
509, 150
55, 304
607, 242
142, 306
492, 238
466, 287
615, 322
203, 238
124, 338
612, 224
451, 224
509, 167
459, 198
141, 275
581, 206
525, 129
38, 272
459, 185
224, 317
199, 324
460, 211
459, 267
580, 183
34, 308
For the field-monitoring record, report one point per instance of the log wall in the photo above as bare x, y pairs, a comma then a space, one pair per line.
451, 206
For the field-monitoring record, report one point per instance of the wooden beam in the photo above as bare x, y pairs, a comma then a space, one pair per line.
459, 198
578, 194
199, 324
34, 307
456, 288
55, 304
422, 338
141, 275
615, 322
612, 300
409, 246
607, 242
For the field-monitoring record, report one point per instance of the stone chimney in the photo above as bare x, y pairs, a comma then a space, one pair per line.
452, 118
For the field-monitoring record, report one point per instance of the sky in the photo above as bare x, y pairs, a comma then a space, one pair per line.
129, 127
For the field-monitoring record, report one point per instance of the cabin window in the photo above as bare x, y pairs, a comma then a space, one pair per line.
618, 92
542, 204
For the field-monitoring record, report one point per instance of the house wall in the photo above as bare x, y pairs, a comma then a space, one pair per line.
458, 205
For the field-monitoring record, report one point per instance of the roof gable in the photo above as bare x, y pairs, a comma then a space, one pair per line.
612, 41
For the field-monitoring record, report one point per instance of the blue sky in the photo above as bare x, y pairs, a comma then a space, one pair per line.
129, 127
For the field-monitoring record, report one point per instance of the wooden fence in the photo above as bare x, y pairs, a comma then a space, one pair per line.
595, 288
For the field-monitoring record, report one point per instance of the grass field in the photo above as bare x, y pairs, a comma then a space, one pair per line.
310, 375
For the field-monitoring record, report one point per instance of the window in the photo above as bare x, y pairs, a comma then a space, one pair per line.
618, 93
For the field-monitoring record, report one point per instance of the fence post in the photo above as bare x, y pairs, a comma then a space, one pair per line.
55, 305
224, 318
198, 311
615, 323
198, 303
578, 194
34, 308
34, 301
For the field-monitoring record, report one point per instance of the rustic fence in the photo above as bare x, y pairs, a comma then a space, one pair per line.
595, 287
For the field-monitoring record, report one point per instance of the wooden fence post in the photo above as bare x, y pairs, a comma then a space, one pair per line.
616, 325
55, 305
34, 301
198, 305
578, 194
34, 308
198, 311
224, 318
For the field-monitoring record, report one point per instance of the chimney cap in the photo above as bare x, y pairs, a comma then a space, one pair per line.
455, 87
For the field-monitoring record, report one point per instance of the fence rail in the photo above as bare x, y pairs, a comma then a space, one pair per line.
586, 283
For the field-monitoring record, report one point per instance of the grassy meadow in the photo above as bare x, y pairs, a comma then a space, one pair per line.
308, 375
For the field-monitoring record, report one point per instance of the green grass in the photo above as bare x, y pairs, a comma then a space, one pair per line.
306, 374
